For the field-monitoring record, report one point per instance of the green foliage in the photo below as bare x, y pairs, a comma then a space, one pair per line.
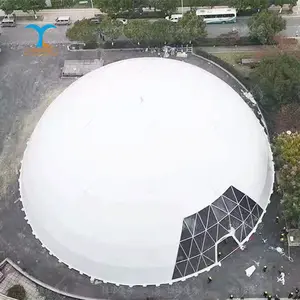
83, 31
286, 149
17, 291
32, 5
62, 3
190, 28
265, 25
138, 30
279, 79
111, 28
166, 6
248, 4
282, 2
8, 6
112, 7
163, 31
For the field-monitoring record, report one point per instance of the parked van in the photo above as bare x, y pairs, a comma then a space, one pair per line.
8, 21
63, 21
174, 18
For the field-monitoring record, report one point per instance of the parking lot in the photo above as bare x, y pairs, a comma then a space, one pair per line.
25, 36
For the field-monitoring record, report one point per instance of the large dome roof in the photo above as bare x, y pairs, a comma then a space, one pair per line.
121, 162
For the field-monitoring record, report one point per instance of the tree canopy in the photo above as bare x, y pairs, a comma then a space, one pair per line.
138, 31
111, 28
8, 6
83, 31
32, 5
265, 25
190, 27
286, 149
279, 80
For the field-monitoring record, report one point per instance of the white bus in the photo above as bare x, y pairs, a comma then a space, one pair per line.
217, 15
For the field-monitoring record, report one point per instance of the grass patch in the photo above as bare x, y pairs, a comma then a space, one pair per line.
234, 59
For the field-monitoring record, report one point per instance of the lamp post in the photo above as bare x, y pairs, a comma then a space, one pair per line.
182, 6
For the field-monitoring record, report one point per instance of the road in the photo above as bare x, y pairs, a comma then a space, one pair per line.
21, 35
214, 30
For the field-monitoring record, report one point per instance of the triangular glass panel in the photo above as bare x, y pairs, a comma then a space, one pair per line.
255, 211
247, 229
195, 261
245, 213
234, 222
185, 233
212, 220
249, 221
244, 203
251, 203
229, 194
230, 205
194, 249
199, 225
220, 214
208, 262
202, 264
190, 222
176, 273
181, 267
225, 223
221, 231
210, 254
204, 215
186, 246
199, 240
181, 254
244, 235
213, 231
208, 242
238, 194
238, 233
255, 219
219, 203
189, 269
236, 213
260, 210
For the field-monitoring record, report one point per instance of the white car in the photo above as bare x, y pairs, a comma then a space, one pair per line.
123, 21
174, 18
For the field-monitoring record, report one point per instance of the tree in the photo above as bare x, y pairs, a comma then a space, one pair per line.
17, 292
286, 149
138, 31
8, 6
112, 7
163, 31
246, 4
111, 28
190, 28
166, 6
34, 5
83, 31
279, 80
265, 25
282, 2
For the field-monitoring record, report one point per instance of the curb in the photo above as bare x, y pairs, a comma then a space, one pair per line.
44, 285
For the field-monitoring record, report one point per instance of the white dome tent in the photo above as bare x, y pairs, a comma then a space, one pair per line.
139, 168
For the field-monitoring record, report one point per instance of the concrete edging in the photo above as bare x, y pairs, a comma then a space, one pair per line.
44, 285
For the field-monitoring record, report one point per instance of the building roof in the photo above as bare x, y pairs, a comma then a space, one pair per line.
123, 158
